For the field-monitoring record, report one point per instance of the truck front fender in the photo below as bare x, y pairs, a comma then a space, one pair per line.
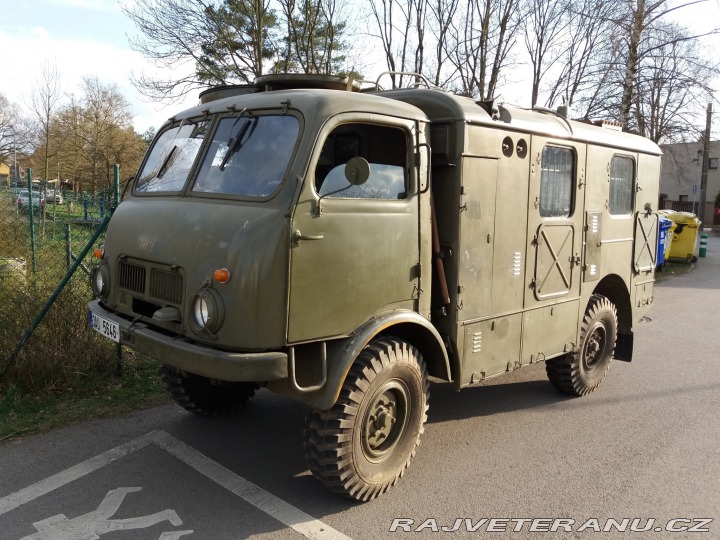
341, 353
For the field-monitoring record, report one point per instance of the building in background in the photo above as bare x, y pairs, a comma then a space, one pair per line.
4, 175
680, 179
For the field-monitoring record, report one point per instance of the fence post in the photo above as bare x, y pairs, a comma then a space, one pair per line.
68, 248
116, 184
32, 225
40, 316
113, 206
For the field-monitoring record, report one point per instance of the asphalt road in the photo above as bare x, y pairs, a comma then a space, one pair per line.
644, 447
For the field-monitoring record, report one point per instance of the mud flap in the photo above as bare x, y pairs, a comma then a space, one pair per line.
624, 347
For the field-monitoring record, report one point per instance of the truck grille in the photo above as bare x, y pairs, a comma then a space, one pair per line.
165, 285
131, 277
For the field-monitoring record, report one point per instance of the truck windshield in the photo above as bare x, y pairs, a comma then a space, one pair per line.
248, 155
172, 157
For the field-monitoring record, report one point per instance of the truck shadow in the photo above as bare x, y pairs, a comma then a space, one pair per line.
264, 442
485, 400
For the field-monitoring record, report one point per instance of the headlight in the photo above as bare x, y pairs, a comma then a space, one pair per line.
100, 280
207, 311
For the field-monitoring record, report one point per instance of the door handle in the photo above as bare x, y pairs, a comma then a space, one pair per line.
297, 236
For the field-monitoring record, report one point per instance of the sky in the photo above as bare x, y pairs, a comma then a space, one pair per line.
81, 38
90, 37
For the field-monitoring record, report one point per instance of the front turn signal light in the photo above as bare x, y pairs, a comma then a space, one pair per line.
221, 275
99, 253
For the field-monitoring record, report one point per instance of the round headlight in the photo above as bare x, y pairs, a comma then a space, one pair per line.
207, 311
100, 280
201, 312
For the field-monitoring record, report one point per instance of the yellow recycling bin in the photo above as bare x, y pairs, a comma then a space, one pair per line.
684, 235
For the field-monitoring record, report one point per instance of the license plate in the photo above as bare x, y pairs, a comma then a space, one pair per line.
109, 329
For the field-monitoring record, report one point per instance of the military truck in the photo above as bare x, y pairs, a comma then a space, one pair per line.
341, 247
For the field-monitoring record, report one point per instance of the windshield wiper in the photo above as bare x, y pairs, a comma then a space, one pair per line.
161, 172
235, 144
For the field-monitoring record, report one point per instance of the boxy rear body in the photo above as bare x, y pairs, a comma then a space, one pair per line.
540, 223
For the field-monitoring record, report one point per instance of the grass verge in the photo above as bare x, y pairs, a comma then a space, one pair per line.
87, 397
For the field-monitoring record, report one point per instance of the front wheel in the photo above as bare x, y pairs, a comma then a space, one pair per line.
364, 443
581, 371
203, 396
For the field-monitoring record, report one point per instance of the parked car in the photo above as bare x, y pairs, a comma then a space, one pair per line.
23, 199
54, 197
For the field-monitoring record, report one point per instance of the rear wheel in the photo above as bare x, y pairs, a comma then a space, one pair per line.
581, 371
203, 396
364, 443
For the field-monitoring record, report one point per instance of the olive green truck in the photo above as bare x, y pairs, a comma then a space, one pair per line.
341, 247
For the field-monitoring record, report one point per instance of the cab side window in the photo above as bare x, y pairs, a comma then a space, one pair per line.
622, 173
556, 182
385, 149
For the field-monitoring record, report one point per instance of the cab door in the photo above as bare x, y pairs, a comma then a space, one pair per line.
355, 248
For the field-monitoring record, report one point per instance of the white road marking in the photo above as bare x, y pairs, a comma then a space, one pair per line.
93, 525
275, 507
62, 478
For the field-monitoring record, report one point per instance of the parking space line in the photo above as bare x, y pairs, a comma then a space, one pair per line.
275, 507
268, 503
38, 489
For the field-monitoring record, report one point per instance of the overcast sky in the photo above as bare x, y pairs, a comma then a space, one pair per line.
89, 37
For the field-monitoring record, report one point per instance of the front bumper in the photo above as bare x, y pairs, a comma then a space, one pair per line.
198, 359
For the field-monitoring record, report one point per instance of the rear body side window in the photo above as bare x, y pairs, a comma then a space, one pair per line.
622, 175
556, 182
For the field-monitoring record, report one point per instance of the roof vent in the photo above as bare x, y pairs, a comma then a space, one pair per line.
282, 81
288, 81
565, 110
228, 90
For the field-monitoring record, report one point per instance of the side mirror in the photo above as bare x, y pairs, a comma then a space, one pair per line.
357, 171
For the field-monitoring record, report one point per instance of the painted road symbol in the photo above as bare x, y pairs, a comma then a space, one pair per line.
94, 524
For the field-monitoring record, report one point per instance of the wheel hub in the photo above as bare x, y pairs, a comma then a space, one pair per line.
381, 421
385, 421
595, 347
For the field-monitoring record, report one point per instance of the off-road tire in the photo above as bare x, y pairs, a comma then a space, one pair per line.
204, 396
581, 371
356, 448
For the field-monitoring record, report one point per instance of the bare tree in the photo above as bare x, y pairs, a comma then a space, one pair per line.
443, 12
586, 77
671, 85
641, 16
45, 100
480, 44
393, 20
216, 42
544, 24
96, 133
16, 132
